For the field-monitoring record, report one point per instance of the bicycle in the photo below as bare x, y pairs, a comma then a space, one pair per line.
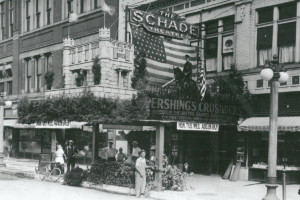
46, 171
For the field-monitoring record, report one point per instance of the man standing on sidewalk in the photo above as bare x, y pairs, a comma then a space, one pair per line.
140, 174
71, 151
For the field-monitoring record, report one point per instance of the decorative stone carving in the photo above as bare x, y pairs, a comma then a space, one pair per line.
68, 42
104, 33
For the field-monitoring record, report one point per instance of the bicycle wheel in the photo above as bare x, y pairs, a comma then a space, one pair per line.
42, 173
55, 174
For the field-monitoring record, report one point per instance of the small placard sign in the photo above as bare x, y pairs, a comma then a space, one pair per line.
190, 126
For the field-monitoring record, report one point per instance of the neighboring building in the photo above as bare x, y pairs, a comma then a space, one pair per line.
36, 37
247, 33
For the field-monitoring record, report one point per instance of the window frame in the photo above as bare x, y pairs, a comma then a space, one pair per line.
48, 12
2, 20
11, 18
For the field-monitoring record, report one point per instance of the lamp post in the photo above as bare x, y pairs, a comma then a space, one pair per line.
2, 104
274, 72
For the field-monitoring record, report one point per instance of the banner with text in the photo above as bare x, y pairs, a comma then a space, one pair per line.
189, 126
192, 111
164, 23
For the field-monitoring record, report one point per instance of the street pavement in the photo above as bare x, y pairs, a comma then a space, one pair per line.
13, 188
203, 188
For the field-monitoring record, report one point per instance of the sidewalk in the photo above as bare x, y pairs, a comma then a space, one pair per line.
201, 187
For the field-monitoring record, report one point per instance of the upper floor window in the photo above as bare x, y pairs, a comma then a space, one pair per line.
286, 42
265, 15
11, 18
27, 15
2, 20
211, 27
96, 4
81, 6
287, 11
37, 13
264, 44
211, 52
197, 2
179, 7
9, 88
48, 9
228, 23
2, 89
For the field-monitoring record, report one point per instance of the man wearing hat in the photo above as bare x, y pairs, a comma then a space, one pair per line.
187, 69
111, 152
71, 151
135, 151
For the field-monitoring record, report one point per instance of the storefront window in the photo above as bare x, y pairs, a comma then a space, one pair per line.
7, 145
30, 141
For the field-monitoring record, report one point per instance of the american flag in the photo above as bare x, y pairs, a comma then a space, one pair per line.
162, 54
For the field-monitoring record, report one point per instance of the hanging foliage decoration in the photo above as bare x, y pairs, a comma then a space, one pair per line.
96, 69
86, 107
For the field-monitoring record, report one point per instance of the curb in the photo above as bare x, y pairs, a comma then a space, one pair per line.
103, 188
18, 174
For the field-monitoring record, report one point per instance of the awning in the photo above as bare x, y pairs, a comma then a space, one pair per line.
285, 124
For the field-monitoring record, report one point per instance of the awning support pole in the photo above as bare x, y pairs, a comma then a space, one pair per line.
160, 136
94, 143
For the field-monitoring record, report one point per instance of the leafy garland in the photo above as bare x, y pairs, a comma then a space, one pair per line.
85, 107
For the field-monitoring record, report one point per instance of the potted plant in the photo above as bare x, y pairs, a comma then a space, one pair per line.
49, 78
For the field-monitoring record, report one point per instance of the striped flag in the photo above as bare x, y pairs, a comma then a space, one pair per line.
201, 82
162, 54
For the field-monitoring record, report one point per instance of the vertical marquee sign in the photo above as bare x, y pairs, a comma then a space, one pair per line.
164, 23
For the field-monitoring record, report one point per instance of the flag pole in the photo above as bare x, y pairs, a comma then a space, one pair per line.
104, 19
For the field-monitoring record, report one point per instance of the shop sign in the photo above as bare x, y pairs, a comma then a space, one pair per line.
164, 23
87, 128
53, 124
192, 111
189, 126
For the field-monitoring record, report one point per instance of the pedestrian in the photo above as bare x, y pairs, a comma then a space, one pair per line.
111, 152
140, 174
135, 151
59, 157
121, 157
71, 151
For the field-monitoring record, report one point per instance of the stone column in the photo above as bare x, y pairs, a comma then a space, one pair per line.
32, 70
43, 72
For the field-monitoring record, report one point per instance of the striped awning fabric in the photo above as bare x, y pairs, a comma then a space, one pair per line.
285, 124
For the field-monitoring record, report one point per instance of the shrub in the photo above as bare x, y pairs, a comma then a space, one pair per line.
174, 179
75, 177
112, 173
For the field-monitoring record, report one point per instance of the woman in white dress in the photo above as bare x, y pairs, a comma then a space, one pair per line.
59, 158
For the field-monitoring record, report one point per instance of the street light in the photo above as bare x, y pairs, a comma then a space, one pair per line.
2, 104
274, 72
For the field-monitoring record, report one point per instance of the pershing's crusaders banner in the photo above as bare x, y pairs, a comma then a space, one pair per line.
164, 23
